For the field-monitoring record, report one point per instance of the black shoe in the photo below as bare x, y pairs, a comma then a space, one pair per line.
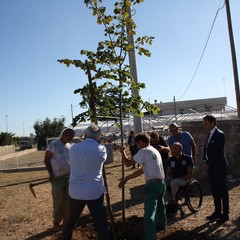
223, 219
213, 216
171, 209
56, 227
161, 228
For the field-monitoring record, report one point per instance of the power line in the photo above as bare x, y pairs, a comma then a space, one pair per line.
205, 46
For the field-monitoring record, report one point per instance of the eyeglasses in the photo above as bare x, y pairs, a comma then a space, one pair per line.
172, 129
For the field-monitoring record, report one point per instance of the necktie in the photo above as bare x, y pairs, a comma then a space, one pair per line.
208, 138
206, 145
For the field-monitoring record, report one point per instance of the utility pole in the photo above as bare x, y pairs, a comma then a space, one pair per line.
23, 129
150, 116
234, 59
137, 121
72, 112
6, 124
175, 108
132, 62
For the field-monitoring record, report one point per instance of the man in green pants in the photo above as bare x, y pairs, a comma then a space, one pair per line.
152, 167
57, 163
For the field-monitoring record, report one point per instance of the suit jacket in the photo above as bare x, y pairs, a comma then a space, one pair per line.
214, 152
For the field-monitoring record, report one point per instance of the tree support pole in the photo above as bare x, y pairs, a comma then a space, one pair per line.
234, 59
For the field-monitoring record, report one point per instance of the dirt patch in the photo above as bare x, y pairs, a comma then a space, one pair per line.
23, 217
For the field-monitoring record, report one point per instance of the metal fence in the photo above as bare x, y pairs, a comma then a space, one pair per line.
22, 159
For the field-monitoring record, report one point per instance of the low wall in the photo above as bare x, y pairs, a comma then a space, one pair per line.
231, 128
7, 149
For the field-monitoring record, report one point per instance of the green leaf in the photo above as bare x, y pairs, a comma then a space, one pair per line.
108, 66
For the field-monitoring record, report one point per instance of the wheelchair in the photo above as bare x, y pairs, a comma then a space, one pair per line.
190, 195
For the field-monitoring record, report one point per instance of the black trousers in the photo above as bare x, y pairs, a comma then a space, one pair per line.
98, 213
219, 189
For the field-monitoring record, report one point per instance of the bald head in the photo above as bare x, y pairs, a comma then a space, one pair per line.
176, 149
173, 129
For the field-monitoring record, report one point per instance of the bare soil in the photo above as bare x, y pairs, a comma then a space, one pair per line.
24, 217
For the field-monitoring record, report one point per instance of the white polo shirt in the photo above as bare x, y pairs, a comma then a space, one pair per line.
86, 164
151, 161
60, 159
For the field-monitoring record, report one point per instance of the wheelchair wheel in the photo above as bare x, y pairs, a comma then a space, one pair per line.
194, 196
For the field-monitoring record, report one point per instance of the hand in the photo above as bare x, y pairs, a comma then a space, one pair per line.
160, 148
51, 178
121, 183
121, 149
205, 167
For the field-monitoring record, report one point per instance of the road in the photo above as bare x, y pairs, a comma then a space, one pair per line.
17, 154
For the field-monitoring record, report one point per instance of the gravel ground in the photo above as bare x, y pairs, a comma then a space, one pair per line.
23, 217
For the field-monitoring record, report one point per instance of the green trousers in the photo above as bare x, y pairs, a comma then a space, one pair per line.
154, 209
59, 198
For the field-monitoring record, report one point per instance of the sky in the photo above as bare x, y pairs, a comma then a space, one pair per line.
35, 34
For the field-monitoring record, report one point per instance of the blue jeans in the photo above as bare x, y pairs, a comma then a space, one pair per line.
154, 208
98, 212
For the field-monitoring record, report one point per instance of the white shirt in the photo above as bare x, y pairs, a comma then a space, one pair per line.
151, 161
209, 138
60, 159
86, 162
211, 133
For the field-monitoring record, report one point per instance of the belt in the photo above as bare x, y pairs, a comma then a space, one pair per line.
154, 180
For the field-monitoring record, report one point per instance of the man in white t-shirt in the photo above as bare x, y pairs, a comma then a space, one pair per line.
57, 163
152, 167
86, 183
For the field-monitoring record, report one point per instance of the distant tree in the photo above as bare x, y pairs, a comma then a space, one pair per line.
16, 140
20, 139
6, 138
47, 128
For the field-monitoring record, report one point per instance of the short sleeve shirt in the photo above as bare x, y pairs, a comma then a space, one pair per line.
60, 159
179, 166
151, 161
185, 138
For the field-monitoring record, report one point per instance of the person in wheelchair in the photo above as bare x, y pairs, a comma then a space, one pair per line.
180, 170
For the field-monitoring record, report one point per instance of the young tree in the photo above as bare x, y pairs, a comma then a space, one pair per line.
47, 128
110, 83
108, 70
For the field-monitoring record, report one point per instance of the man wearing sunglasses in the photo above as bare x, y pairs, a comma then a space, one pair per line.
183, 137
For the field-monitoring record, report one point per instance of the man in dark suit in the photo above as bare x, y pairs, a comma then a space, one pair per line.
215, 163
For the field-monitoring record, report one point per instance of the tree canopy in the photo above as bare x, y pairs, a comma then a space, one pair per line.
46, 129
109, 73
7, 138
